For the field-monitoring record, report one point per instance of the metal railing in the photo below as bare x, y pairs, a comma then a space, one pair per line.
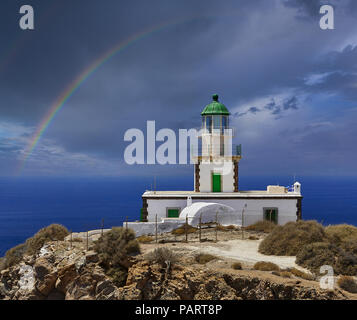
216, 149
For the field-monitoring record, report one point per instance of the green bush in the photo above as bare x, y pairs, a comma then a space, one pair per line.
162, 256
261, 226
348, 284
266, 266
287, 240
51, 233
203, 258
315, 255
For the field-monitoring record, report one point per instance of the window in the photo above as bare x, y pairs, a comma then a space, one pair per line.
224, 122
173, 212
216, 122
209, 123
270, 214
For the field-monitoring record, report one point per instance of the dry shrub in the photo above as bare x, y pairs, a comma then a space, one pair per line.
350, 247
203, 258
14, 255
287, 240
2, 263
114, 249
266, 266
284, 274
315, 255
237, 266
51, 233
162, 256
341, 233
301, 274
253, 238
77, 240
226, 228
181, 230
348, 284
144, 239
262, 226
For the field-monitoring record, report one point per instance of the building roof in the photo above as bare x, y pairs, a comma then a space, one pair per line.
215, 108
254, 194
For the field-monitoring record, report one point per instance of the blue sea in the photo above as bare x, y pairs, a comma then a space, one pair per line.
80, 204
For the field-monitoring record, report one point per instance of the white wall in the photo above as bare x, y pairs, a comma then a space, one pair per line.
226, 170
253, 213
158, 207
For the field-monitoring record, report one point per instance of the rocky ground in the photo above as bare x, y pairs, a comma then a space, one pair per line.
68, 271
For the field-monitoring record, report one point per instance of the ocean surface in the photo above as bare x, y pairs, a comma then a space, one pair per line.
80, 204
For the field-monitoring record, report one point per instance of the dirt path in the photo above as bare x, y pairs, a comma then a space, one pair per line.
245, 251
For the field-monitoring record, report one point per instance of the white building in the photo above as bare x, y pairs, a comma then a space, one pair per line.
216, 186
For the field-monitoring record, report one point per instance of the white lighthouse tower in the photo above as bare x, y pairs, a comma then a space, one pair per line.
216, 190
216, 166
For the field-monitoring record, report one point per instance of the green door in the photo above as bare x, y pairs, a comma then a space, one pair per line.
271, 215
216, 182
173, 213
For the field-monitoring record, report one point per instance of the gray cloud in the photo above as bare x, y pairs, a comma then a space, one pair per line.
244, 50
272, 107
305, 7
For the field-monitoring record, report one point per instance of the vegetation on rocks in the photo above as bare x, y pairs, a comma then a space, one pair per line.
300, 274
315, 246
287, 240
114, 249
347, 283
162, 256
341, 233
266, 266
34, 244
237, 266
51, 233
315, 255
203, 258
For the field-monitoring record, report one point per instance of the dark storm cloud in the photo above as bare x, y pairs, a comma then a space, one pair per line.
272, 107
305, 7
339, 73
243, 50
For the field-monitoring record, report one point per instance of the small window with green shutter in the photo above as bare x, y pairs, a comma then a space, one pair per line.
173, 212
271, 214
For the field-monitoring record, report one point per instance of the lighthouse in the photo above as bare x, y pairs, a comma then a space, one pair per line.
217, 161
216, 191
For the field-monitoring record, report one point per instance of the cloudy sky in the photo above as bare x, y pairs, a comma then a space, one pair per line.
291, 87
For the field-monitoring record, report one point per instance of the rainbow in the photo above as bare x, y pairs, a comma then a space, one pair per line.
85, 74
80, 79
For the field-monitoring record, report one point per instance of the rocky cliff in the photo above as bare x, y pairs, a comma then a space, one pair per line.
60, 272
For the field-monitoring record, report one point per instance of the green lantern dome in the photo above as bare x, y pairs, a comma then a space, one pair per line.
215, 108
